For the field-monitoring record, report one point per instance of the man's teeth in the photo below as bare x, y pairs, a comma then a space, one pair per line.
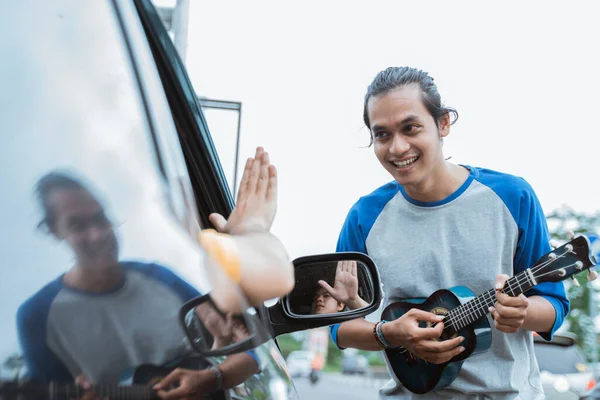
405, 163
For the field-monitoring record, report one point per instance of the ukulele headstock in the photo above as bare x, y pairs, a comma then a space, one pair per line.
566, 261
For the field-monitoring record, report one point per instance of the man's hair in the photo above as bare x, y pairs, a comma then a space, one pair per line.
48, 183
397, 77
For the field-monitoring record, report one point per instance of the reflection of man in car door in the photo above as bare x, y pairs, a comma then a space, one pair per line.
102, 315
106, 315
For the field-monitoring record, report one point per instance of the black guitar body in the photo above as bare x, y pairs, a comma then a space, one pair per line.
419, 376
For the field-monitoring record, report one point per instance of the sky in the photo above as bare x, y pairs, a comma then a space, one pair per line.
522, 75
523, 78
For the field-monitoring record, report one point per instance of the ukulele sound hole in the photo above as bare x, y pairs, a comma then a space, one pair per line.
448, 332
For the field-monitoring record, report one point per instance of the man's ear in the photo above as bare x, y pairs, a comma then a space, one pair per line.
341, 306
444, 125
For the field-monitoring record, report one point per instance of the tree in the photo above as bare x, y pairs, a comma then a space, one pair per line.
560, 221
15, 363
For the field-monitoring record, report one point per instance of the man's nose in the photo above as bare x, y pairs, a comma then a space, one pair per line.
96, 233
399, 144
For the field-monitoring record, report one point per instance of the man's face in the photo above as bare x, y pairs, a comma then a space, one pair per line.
323, 303
81, 222
406, 139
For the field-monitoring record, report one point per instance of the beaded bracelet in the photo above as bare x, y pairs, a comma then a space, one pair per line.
379, 342
380, 337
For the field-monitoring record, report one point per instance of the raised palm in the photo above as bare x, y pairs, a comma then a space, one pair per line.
345, 287
256, 204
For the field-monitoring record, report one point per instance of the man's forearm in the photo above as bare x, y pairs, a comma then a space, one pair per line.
357, 304
237, 368
541, 315
357, 334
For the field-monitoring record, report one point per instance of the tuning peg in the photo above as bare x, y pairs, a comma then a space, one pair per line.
575, 281
553, 244
592, 275
570, 235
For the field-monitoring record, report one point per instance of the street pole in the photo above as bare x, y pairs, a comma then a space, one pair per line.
592, 308
233, 106
180, 27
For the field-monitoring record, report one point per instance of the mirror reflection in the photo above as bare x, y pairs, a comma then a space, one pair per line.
210, 329
331, 287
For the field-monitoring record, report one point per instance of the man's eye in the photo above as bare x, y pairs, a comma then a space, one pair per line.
411, 128
101, 220
379, 135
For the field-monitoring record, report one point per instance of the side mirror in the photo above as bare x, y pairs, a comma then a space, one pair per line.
336, 287
310, 305
214, 333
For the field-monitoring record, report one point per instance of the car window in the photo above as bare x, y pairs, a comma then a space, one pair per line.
209, 184
202, 159
559, 359
95, 262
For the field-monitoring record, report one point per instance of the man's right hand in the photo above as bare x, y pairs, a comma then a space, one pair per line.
405, 331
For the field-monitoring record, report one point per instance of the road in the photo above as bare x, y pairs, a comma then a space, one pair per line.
332, 386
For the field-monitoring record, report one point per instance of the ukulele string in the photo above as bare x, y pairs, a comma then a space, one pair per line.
454, 319
465, 310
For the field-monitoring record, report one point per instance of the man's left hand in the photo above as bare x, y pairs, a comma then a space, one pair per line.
509, 313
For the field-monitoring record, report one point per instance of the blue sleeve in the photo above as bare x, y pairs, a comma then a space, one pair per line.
252, 353
358, 224
32, 322
352, 237
362, 217
168, 278
533, 240
533, 243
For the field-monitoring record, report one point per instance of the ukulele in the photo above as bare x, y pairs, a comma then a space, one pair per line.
134, 384
465, 315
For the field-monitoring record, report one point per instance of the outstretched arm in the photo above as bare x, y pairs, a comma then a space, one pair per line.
185, 383
255, 258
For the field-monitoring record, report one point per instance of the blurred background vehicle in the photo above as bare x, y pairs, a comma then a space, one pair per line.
298, 363
564, 370
355, 364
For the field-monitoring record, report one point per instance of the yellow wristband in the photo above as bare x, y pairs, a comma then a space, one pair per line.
222, 248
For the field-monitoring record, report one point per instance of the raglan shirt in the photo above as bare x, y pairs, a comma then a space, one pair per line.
65, 332
493, 224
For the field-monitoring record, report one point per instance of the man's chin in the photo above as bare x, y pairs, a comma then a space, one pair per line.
102, 262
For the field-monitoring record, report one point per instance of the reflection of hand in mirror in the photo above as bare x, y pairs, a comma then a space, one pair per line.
239, 330
345, 287
215, 324
225, 330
